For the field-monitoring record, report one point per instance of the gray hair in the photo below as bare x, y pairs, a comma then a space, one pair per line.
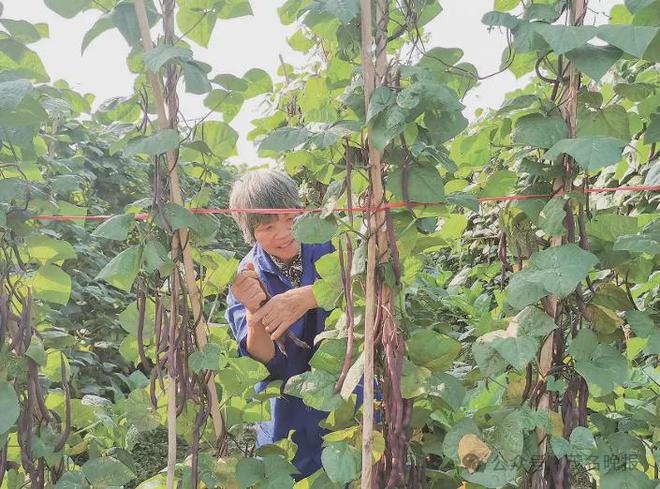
261, 189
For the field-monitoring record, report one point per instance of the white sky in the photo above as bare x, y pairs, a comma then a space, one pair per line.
252, 42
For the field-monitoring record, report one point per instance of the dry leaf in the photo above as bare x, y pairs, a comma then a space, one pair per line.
473, 452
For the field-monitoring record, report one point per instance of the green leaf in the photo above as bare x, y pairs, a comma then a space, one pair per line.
631, 39
260, 82
122, 270
443, 126
67, 8
636, 5
517, 345
311, 228
500, 19
117, 227
231, 82
158, 143
610, 121
194, 74
448, 388
341, 462
179, 217
159, 56
210, 358
102, 25
505, 5
557, 270
249, 471
652, 134
196, 23
551, 218
424, 184
12, 93
414, 379
45, 249
9, 407
608, 227
230, 9
344, 10
563, 38
36, 351
107, 471
432, 350
72, 480
128, 319
640, 323
24, 31
450, 443
52, 284
381, 99
285, 139
601, 365
125, 20
591, 153
626, 479
635, 91
140, 412
316, 388
539, 131
595, 61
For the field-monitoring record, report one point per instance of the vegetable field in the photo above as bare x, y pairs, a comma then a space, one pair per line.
498, 277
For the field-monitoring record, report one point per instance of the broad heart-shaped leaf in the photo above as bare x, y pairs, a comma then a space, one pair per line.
557, 270
67, 8
539, 131
341, 462
424, 184
194, 74
158, 143
52, 284
316, 388
9, 407
72, 480
448, 388
609, 121
598, 363
129, 318
380, 100
125, 20
45, 249
107, 471
140, 412
500, 19
197, 23
591, 153
311, 228
450, 443
344, 10
563, 38
210, 359
636, 5
12, 93
179, 217
551, 218
121, 271
155, 59
432, 350
249, 471
260, 82
630, 38
595, 61
443, 126
414, 379
652, 134
517, 344
285, 138
626, 479
117, 227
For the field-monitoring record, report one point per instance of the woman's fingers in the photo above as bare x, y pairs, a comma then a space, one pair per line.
279, 331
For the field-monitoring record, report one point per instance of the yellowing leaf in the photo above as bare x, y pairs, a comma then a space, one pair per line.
473, 452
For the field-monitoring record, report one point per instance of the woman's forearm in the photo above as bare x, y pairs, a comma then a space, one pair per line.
259, 344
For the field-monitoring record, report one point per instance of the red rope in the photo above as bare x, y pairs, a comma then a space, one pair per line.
388, 205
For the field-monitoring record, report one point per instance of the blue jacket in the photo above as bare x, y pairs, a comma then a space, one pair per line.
288, 412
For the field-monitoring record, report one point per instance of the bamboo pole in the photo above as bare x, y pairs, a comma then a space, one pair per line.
568, 109
182, 235
373, 76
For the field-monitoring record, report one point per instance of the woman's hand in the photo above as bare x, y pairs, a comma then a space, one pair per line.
282, 310
248, 289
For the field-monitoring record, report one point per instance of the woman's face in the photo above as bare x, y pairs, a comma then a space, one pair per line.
276, 239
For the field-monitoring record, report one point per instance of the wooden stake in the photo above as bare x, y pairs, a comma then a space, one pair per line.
373, 76
568, 109
182, 235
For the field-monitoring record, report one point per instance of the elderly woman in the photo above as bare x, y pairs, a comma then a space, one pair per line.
272, 298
